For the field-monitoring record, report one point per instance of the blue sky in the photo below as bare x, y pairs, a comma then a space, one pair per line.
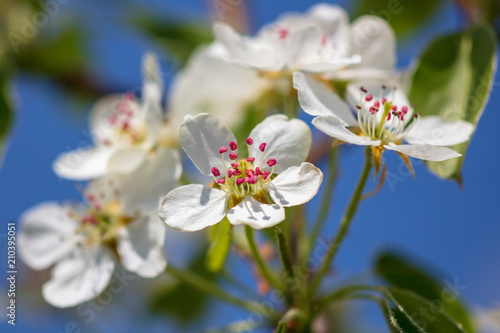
454, 230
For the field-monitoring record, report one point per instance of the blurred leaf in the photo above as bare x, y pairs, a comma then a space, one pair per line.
220, 244
6, 112
453, 80
396, 320
182, 300
399, 272
56, 56
404, 16
282, 328
179, 39
423, 315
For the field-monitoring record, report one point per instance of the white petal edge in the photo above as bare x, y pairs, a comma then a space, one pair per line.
79, 277
317, 100
47, 234
296, 185
126, 160
193, 207
83, 164
435, 131
140, 245
374, 39
287, 141
425, 152
334, 127
201, 137
256, 214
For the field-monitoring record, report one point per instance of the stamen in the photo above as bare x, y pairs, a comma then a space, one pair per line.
233, 156
221, 181
262, 147
215, 172
249, 141
363, 90
265, 175
271, 162
240, 181
369, 97
229, 173
250, 159
233, 145
222, 150
235, 165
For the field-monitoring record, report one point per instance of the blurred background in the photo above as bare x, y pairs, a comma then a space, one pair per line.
79, 51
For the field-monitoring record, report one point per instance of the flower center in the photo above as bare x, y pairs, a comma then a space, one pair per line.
101, 221
381, 119
126, 123
243, 177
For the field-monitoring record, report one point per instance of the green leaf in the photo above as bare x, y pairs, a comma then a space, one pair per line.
6, 112
422, 314
57, 56
399, 272
282, 328
181, 300
179, 39
404, 16
220, 244
396, 320
453, 80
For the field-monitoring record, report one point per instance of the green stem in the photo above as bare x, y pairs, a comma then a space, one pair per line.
214, 290
264, 270
344, 225
348, 292
326, 203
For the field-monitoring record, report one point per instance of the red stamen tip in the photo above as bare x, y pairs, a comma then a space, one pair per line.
221, 181
262, 147
233, 156
215, 172
233, 145
369, 97
271, 162
222, 150
249, 141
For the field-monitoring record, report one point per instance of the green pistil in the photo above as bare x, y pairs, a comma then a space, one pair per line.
387, 109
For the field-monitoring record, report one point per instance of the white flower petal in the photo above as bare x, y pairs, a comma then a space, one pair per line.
140, 245
256, 214
83, 164
329, 68
332, 19
201, 137
144, 188
244, 51
296, 185
435, 131
153, 83
79, 277
334, 127
302, 45
47, 234
126, 160
193, 207
374, 39
104, 108
287, 141
317, 100
425, 152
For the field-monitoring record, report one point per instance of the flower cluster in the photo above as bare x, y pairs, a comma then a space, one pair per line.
133, 169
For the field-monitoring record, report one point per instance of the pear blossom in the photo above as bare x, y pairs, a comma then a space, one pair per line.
321, 41
382, 118
245, 190
123, 129
209, 84
116, 225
